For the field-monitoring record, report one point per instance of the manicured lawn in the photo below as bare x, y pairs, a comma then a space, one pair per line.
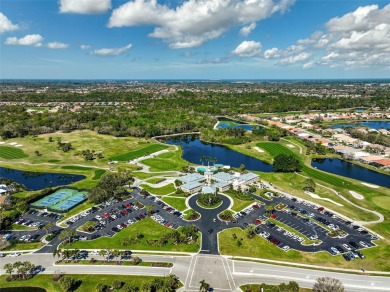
25, 246
98, 174
166, 161
21, 227
176, 203
159, 191
145, 175
238, 204
88, 282
158, 164
155, 180
139, 152
8, 152
148, 228
376, 258
76, 167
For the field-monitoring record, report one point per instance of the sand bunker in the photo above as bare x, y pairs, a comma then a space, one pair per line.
370, 185
258, 149
1, 142
315, 196
290, 145
356, 195
13, 143
18, 145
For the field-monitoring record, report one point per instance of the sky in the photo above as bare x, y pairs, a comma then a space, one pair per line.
194, 39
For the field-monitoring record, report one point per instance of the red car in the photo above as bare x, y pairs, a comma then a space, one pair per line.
106, 215
274, 216
255, 206
168, 224
124, 212
258, 221
123, 225
128, 206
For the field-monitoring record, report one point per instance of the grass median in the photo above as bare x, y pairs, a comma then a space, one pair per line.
257, 247
150, 230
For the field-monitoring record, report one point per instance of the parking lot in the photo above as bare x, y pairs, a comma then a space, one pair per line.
309, 220
304, 221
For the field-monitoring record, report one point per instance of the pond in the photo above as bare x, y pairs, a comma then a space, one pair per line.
377, 125
22, 289
194, 149
224, 123
39, 180
347, 169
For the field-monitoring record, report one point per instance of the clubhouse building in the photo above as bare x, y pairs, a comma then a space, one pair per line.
211, 182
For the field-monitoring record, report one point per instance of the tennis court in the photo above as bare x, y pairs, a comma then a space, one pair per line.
61, 201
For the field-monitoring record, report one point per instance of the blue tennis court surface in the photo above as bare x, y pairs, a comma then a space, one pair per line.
61, 201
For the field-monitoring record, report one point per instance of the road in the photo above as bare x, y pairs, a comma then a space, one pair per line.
222, 273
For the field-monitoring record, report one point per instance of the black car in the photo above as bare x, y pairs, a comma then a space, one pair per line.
340, 249
353, 244
210, 230
115, 229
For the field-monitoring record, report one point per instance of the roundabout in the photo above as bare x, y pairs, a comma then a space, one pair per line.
209, 224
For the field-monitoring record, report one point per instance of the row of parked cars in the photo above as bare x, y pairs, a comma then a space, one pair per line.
45, 214
29, 223
273, 240
347, 248
247, 211
164, 222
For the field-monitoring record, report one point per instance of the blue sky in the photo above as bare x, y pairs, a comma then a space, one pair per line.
194, 39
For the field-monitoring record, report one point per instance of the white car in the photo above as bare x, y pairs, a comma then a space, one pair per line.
15, 254
347, 247
362, 243
286, 248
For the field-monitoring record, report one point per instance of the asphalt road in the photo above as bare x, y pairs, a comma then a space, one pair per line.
221, 273
206, 224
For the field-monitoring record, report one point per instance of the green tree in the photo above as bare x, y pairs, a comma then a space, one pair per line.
293, 286
327, 284
67, 283
251, 230
204, 286
310, 185
286, 163
117, 284
67, 235
9, 268
130, 288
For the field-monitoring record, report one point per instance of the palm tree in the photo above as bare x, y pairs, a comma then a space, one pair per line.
251, 230
204, 287
47, 227
149, 209
102, 253
9, 269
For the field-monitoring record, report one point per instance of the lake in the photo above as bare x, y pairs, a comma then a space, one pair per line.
39, 180
347, 169
228, 123
194, 149
377, 125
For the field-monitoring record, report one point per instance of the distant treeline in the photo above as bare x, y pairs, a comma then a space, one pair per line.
146, 115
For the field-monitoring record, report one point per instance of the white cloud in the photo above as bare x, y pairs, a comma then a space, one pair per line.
272, 53
194, 21
85, 6
111, 51
308, 65
57, 45
28, 40
246, 30
295, 59
85, 47
359, 39
247, 49
6, 24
